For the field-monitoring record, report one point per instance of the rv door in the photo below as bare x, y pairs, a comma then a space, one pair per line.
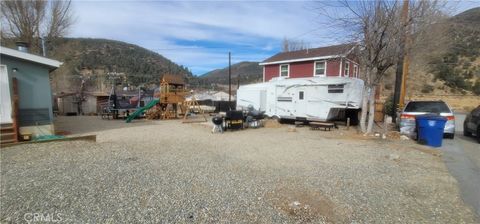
301, 103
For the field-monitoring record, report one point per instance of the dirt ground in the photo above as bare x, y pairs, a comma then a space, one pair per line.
166, 171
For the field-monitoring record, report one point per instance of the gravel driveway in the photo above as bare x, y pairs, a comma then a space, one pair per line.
165, 171
462, 157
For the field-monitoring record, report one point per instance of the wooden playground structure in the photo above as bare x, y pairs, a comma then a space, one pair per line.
172, 101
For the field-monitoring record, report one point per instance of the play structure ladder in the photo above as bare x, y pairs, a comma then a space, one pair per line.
190, 106
141, 110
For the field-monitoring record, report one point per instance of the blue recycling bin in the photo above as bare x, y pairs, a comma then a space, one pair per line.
430, 129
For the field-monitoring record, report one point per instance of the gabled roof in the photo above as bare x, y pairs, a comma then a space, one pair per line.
310, 54
30, 57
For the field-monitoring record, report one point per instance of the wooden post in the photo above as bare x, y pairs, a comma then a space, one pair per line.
397, 99
385, 124
348, 123
404, 65
15, 109
229, 77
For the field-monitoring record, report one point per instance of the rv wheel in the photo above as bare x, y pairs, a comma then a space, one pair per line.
353, 115
277, 118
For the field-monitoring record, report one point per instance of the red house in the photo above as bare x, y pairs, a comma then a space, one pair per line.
337, 60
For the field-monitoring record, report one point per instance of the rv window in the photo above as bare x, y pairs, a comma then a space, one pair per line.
335, 88
300, 95
284, 99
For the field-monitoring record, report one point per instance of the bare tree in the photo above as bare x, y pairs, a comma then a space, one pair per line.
30, 20
292, 45
378, 29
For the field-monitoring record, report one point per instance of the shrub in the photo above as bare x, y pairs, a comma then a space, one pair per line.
476, 87
388, 86
468, 74
427, 88
388, 106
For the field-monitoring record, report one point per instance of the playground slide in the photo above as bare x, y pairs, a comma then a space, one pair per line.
140, 110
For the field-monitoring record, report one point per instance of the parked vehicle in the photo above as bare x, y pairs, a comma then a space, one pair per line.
413, 108
472, 123
305, 99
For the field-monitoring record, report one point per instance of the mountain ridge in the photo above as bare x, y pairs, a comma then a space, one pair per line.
242, 72
91, 59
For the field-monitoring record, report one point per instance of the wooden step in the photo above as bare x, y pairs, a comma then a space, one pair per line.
7, 133
8, 129
7, 136
6, 141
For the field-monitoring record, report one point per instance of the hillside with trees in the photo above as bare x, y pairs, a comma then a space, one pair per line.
459, 66
446, 59
92, 59
243, 73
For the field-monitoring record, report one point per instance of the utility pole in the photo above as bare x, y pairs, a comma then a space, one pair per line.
44, 50
399, 78
406, 63
229, 77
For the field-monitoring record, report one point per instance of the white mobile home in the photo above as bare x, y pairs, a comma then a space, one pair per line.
310, 99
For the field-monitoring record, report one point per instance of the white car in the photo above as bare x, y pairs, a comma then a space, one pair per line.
413, 108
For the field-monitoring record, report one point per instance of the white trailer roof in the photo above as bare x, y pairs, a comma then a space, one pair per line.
304, 81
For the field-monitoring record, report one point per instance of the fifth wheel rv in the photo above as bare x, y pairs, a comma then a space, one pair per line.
305, 99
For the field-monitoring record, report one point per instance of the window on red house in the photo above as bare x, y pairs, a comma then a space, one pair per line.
320, 68
347, 69
284, 70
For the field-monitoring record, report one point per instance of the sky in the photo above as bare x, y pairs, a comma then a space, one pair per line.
199, 34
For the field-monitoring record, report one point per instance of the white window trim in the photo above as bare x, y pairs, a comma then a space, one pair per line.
345, 70
264, 73
6, 106
355, 70
354, 63
324, 70
341, 68
280, 70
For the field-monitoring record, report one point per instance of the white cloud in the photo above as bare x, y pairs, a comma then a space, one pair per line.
251, 30
256, 26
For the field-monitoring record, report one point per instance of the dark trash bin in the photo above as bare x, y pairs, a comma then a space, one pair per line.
430, 129
234, 119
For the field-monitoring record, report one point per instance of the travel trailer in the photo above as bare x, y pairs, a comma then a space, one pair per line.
305, 99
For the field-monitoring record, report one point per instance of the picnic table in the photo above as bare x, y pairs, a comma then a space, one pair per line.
324, 125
